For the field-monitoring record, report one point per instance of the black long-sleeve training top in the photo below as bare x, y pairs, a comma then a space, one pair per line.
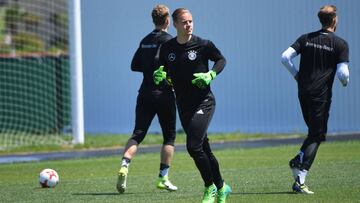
181, 61
320, 51
145, 59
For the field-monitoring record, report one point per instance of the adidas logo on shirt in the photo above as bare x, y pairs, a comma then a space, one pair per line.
200, 112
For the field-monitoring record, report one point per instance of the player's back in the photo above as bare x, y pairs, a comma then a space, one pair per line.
320, 53
144, 59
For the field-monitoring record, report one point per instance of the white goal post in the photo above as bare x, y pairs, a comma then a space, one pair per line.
76, 72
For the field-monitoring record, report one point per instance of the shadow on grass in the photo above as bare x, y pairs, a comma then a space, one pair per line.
100, 193
108, 193
263, 193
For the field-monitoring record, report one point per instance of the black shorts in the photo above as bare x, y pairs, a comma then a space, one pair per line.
316, 115
151, 103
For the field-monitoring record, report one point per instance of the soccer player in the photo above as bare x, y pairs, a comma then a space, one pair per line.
323, 55
152, 100
184, 59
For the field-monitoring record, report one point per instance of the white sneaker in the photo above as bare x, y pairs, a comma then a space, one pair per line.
164, 183
301, 188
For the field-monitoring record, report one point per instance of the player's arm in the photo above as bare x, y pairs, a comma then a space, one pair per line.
136, 64
202, 80
342, 67
159, 74
342, 72
286, 60
216, 56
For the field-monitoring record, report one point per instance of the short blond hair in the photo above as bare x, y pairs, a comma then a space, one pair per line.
326, 15
175, 15
159, 14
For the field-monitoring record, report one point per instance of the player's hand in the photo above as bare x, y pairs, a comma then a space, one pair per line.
202, 80
159, 75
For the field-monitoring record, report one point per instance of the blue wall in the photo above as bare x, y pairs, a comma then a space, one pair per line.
255, 93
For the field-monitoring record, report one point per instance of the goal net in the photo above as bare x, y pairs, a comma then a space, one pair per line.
35, 90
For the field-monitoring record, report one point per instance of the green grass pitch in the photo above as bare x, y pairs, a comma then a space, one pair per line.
255, 175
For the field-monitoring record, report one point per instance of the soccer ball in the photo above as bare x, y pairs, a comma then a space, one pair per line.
48, 178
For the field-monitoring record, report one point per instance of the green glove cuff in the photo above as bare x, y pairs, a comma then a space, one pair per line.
213, 74
203, 79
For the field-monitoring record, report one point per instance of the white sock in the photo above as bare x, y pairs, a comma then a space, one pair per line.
164, 172
295, 172
125, 163
302, 176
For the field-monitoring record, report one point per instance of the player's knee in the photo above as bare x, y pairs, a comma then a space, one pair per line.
318, 134
305, 166
193, 150
138, 136
132, 142
169, 139
169, 142
317, 138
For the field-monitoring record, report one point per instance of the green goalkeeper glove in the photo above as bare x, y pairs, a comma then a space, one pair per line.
203, 79
159, 75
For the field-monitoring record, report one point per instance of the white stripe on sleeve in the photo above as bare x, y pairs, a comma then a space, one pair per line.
342, 72
286, 60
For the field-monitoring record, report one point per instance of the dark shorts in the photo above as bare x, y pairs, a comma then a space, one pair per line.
316, 115
150, 104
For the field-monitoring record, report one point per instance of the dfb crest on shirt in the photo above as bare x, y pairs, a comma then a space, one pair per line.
192, 55
171, 57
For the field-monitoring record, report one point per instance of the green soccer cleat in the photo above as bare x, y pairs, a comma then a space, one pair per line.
301, 188
121, 183
223, 193
164, 183
209, 194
